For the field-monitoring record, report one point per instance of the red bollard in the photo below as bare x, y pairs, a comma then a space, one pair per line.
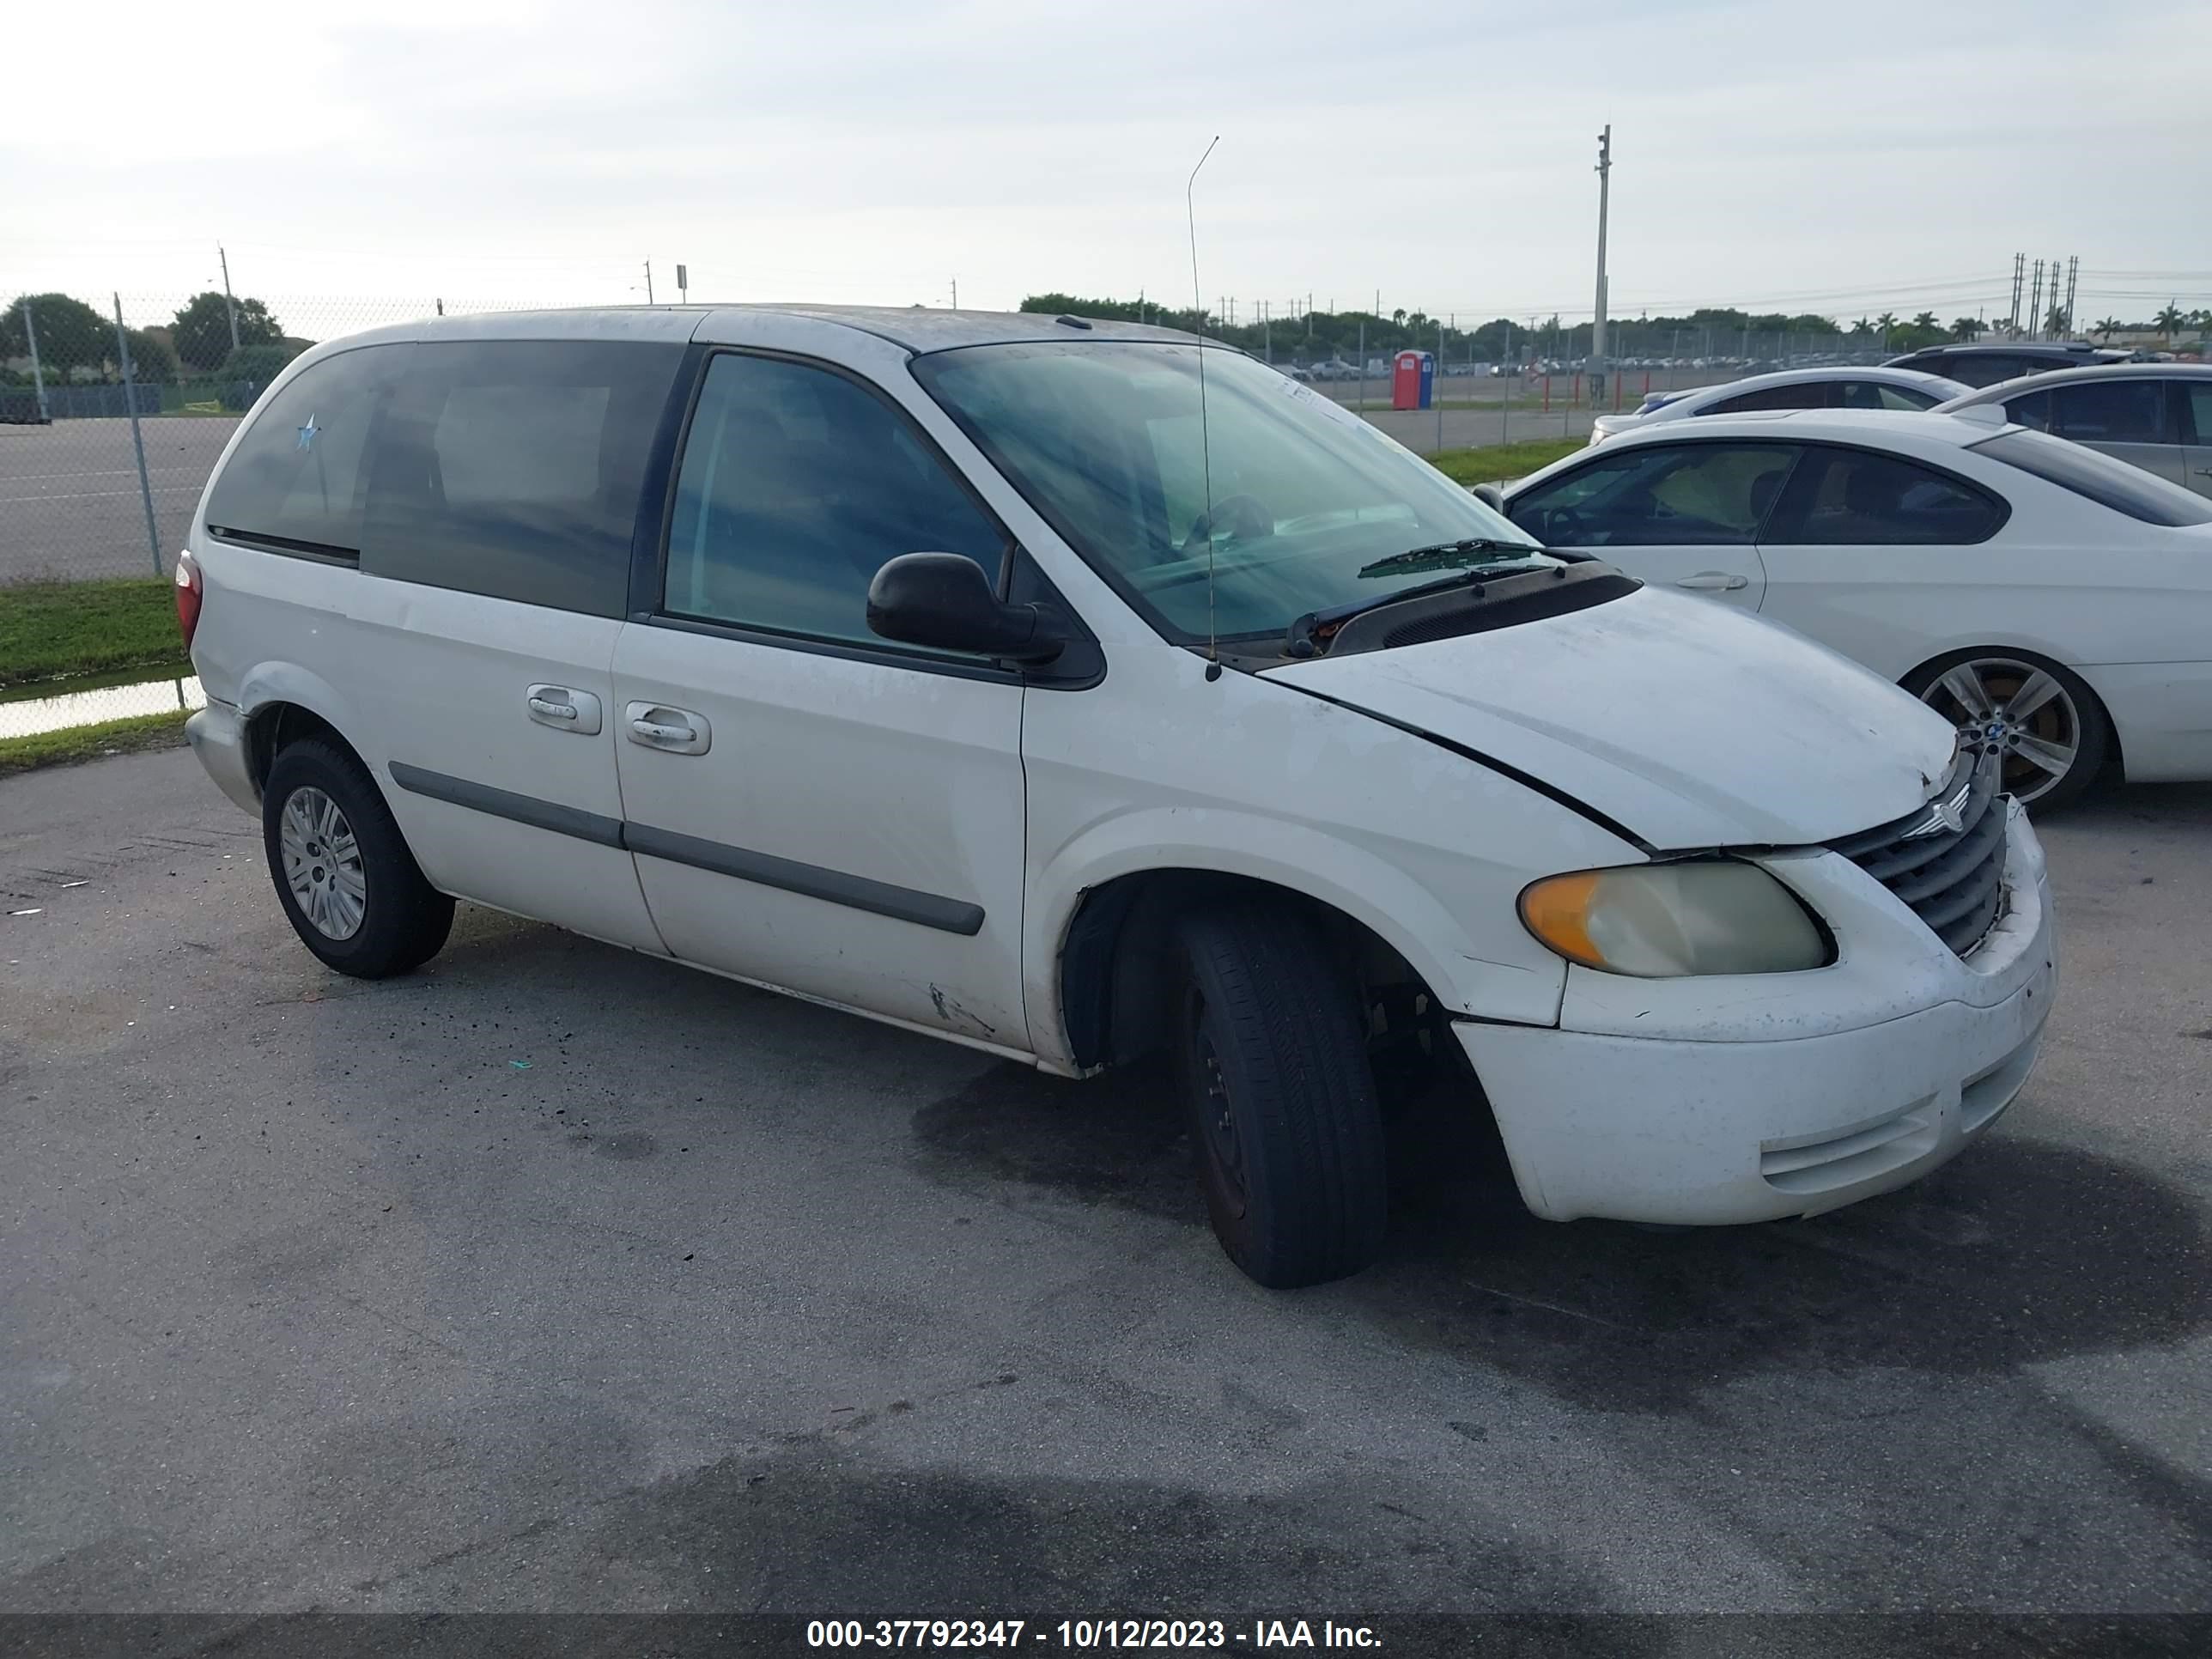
1575, 397
1547, 394
1647, 383
1616, 393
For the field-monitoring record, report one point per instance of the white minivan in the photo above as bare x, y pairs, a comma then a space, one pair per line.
1083, 692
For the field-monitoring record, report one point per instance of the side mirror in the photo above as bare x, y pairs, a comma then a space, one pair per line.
944, 601
1488, 495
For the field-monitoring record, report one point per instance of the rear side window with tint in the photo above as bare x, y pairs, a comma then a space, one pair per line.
1976, 369
2124, 488
1859, 498
1811, 394
1878, 394
2110, 412
517, 469
294, 482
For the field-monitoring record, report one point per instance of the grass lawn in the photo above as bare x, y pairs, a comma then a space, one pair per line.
53, 629
82, 743
1492, 461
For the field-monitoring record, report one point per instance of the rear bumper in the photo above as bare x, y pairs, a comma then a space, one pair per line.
1710, 1130
217, 735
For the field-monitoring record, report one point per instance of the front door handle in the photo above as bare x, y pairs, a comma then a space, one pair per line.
564, 708
1715, 581
676, 731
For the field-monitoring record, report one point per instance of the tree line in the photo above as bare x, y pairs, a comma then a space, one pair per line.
77, 342
1324, 336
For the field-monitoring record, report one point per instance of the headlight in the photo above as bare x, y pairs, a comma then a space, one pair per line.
1659, 920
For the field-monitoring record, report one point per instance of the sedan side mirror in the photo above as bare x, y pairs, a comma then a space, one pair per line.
946, 601
1488, 495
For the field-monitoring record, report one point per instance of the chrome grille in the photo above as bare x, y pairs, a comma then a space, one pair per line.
1953, 877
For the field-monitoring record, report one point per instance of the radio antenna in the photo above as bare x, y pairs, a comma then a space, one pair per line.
1204, 447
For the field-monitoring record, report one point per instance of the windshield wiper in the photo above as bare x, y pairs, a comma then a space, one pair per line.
1447, 555
1313, 632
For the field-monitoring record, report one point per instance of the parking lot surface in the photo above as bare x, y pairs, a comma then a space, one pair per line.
71, 506
556, 1277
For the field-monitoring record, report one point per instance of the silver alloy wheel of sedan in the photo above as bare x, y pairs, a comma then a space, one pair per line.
2014, 709
322, 864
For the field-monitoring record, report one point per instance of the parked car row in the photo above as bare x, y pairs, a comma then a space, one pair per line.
1009, 679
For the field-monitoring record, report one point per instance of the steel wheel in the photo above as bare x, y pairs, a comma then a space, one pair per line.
322, 864
1221, 1145
2005, 707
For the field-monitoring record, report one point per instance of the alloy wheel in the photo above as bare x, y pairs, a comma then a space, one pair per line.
322, 864
2016, 710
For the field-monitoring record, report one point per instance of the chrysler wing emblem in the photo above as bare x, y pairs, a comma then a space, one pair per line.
1947, 816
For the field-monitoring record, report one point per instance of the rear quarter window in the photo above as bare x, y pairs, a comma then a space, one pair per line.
2108, 482
294, 482
517, 469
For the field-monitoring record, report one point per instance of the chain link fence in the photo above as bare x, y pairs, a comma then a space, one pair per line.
112, 416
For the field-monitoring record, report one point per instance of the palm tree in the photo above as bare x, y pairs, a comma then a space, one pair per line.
1966, 328
2056, 321
1926, 319
2106, 327
2169, 321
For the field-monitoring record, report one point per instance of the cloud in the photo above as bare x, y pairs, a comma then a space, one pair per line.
507, 148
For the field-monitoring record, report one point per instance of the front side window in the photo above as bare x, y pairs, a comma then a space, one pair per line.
2110, 412
796, 486
516, 469
2124, 488
1703, 495
1857, 497
1310, 507
295, 481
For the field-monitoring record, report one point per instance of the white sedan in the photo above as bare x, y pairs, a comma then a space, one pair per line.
2054, 603
1837, 386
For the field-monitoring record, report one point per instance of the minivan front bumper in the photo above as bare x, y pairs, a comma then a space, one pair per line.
1722, 1114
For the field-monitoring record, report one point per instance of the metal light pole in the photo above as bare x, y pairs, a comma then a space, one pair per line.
228, 304
1597, 329
38, 378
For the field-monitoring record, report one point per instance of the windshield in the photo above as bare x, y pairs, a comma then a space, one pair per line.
1310, 506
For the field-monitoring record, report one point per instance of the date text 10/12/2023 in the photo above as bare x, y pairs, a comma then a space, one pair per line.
1087, 1633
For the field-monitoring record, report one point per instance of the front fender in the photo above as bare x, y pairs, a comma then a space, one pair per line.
1422, 925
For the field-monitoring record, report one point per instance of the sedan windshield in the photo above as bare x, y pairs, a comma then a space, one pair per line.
1309, 507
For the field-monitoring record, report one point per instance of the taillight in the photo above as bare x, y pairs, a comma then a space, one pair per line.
188, 596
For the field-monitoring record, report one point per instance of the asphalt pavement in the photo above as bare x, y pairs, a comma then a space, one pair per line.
556, 1277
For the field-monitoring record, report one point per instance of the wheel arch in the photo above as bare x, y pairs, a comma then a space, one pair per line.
282, 702
1106, 976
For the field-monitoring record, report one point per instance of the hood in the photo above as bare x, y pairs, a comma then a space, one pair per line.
1690, 724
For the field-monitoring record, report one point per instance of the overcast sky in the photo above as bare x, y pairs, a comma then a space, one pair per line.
1837, 158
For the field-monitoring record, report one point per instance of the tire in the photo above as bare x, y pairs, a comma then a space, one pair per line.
370, 914
2066, 718
1271, 1057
